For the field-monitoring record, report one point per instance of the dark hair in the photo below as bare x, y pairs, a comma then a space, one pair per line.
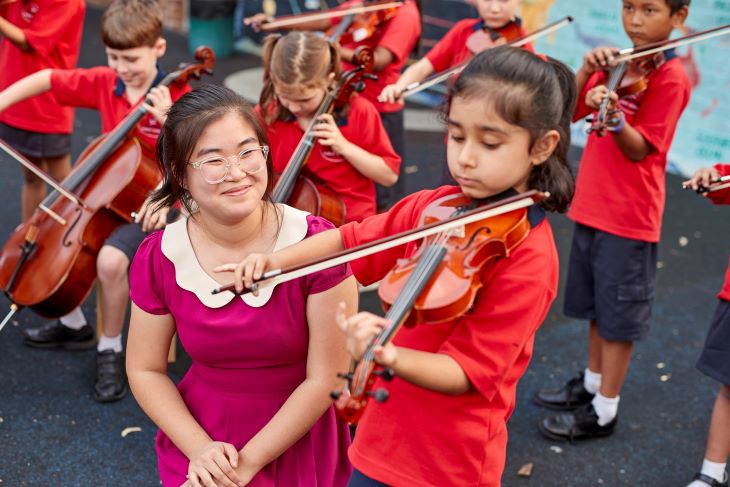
675, 5
128, 24
533, 93
186, 121
297, 58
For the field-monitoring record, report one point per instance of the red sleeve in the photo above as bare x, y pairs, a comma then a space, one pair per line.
404, 215
581, 109
514, 301
659, 112
372, 135
58, 17
401, 33
81, 87
440, 55
722, 196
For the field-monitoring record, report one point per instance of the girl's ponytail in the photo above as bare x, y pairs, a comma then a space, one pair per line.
267, 98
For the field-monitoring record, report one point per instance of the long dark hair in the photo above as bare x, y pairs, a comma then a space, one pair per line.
186, 121
533, 93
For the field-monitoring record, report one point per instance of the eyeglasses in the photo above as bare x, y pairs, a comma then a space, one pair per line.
250, 160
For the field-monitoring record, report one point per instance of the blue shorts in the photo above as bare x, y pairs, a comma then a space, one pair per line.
359, 479
36, 144
129, 236
715, 359
611, 280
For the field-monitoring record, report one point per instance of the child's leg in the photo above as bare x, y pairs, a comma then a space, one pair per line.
718, 439
595, 347
615, 359
34, 189
111, 268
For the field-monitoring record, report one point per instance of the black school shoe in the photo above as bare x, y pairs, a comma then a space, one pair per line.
710, 481
571, 396
111, 379
581, 424
55, 335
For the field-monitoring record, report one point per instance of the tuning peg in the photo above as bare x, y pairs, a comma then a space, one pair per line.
385, 374
380, 395
335, 395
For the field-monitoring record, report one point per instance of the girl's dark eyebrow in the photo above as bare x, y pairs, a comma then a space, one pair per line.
208, 150
482, 128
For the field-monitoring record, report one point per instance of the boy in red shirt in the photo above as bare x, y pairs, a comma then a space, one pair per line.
715, 358
37, 35
617, 208
132, 33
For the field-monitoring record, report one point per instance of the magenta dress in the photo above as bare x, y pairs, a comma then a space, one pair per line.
247, 358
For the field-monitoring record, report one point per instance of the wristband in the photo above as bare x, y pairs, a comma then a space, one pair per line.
618, 120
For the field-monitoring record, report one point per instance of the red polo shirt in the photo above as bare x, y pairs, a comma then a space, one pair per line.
722, 197
53, 29
613, 193
423, 438
399, 35
364, 128
101, 89
452, 49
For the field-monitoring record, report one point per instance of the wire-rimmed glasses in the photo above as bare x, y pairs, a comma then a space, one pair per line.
251, 160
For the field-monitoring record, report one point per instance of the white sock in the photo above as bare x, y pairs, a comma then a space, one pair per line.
109, 343
714, 469
606, 408
591, 381
74, 320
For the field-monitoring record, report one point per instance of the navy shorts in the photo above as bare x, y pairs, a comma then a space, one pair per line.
359, 479
715, 359
129, 236
36, 144
611, 280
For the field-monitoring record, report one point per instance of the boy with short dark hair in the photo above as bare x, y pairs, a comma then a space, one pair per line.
617, 209
132, 34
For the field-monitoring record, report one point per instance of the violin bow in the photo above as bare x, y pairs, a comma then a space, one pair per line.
645, 50
288, 20
279, 276
417, 86
715, 185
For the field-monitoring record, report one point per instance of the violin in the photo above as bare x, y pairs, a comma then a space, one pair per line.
357, 28
486, 37
306, 192
637, 72
438, 283
49, 262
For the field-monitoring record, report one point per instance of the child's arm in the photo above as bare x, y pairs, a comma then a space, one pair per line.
258, 20
434, 371
253, 267
415, 73
28, 87
370, 165
158, 101
14, 34
594, 60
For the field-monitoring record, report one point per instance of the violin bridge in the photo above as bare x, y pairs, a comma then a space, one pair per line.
56, 217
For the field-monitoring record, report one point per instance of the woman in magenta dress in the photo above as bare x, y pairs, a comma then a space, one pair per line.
254, 408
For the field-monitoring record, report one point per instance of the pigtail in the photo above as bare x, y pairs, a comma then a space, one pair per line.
335, 65
555, 174
270, 109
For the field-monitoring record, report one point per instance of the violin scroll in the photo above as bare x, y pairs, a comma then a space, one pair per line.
206, 61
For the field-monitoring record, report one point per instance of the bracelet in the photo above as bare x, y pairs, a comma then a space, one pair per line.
617, 121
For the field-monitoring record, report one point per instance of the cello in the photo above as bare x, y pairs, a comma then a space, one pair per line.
49, 262
304, 192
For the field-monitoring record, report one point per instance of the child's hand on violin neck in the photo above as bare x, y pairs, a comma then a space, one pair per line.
596, 95
361, 329
328, 133
598, 58
702, 178
256, 21
249, 270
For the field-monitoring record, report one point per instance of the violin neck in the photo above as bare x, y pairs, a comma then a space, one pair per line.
420, 276
287, 180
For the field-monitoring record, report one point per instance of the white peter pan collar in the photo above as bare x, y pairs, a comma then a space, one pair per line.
190, 276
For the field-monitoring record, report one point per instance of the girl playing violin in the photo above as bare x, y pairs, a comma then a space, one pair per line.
497, 23
392, 40
352, 151
508, 124
253, 408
